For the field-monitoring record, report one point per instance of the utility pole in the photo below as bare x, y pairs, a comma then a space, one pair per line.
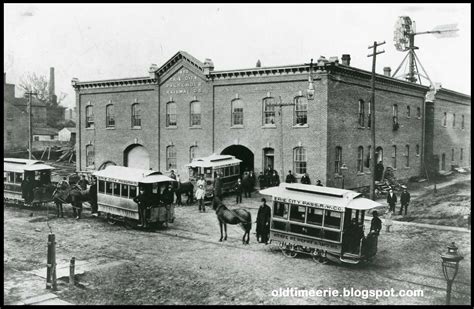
30, 128
372, 115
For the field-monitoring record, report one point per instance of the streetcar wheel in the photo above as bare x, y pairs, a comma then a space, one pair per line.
110, 220
289, 253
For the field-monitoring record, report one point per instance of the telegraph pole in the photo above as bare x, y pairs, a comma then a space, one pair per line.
372, 114
30, 130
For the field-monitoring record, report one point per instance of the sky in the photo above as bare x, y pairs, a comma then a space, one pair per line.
105, 41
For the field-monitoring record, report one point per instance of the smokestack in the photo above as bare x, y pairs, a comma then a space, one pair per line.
346, 59
52, 95
387, 71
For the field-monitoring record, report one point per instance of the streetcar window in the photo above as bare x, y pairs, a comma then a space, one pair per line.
237, 169
278, 225
332, 219
125, 191
108, 188
116, 189
133, 191
208, 172
314, 232
5, 176
194, 172
280, 210
18, 177
101, 186
297, 213
315, 216
11, 177
332, 235
155, 188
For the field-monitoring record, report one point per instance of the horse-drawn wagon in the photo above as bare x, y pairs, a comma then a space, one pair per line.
323, 222
227, 166
26, 182
117, 187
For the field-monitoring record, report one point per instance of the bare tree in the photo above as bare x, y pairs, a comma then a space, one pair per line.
40, 85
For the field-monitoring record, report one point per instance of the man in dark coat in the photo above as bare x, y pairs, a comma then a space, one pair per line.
391, 200
253, 180
404, 200
93, 197
144, 200
275, 179
261, 181
290, 178
218, 186
352, 236
319, 184
376, 223
379, 171
263, 222
83, 182
305, 179
238, 191
246, 184
27, 186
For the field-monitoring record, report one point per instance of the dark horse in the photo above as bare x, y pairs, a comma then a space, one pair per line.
234, 216
186, 188
72, 195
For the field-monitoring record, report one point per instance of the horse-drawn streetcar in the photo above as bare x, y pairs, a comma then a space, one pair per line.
26, 182
326, 223
117, 188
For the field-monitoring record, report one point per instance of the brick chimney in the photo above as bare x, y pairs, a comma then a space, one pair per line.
52, 95
387, 71
346, 59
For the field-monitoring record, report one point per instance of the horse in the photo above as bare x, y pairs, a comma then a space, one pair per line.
187, 188
235, 216
72, 195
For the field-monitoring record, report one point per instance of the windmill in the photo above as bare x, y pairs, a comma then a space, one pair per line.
404, 40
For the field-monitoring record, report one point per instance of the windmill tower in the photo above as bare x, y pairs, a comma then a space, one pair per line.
404, 41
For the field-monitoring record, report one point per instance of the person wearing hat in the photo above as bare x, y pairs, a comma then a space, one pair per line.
391, 200
201, 192
376, 223
404, 200
318, 183
263, 222
290, 178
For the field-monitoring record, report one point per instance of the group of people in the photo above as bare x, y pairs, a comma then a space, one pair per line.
404, 200
290, 178
268, 178
29, 184
146, 199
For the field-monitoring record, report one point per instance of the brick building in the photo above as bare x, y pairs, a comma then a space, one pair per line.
186, 109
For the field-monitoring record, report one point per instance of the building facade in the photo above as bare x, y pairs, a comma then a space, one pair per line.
186, 109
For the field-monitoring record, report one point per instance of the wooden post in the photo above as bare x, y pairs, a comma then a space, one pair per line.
71, 271
48, 262
49, 152
53, 263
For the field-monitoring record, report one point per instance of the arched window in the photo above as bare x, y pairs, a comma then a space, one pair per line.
462, 121
379, 154
408, 111
171, 157
89, 117
360, 159
394, 156
443, 162
444, 118
89, 156
136, 116
195, 116
418, 112
237, 112
407, 155
170, 114
268, 111
368, 160
395, 113
452, 154
338, 160
192, 153
369, 114
417, 148
109, 116
461, 155
361, 113
301, 111
299, 160
454, 120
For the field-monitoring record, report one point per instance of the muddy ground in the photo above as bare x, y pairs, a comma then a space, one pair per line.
186, 264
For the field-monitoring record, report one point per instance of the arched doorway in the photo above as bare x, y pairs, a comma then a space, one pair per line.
136, 156
105, 164
242, 153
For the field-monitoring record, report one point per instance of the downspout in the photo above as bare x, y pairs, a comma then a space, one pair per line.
213, 117
159, 122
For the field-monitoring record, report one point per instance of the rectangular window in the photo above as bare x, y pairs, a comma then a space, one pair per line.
280, 210
338, 160
418, 112
18, 177
133, 191
301, 111
136, 116
395, 114
109, 116
268, 111
116, 189
298, 213
315, 216
461, 154
11, 177
369, 156
195, 113
89, 117
408, 111
237, 112
101, 185
171, 158
445, 116
394, 156
360, 159
124, 191
332, 219
454, 120
407, 156
361, 113
278, 225
299, 160
89, 156
108, 188
462, 121
5, 177
171, 114
369, 114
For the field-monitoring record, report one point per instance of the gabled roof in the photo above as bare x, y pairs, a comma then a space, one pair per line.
178, 56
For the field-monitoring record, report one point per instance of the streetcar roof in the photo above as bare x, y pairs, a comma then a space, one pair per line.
312, 195
129, 174
20, 165
214, 160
